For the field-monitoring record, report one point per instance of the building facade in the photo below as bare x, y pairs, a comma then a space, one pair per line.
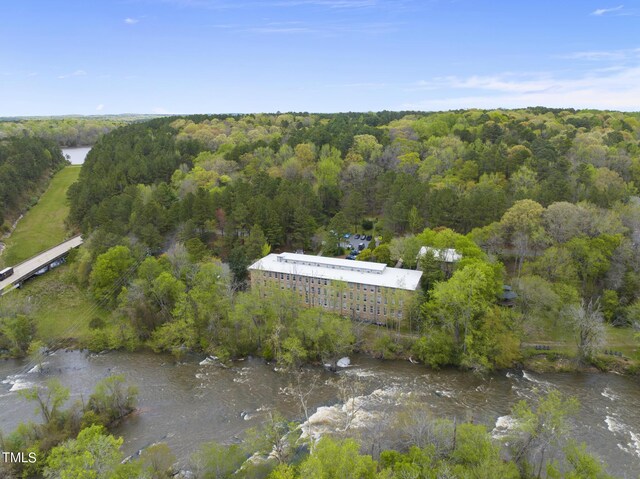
362, 290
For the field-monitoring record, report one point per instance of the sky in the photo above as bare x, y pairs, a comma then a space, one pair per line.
97, 57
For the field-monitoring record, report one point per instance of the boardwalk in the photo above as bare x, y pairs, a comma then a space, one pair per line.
27, 268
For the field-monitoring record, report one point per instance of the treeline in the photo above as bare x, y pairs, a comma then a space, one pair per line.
458, 170
24, 165
406, 443
66, 131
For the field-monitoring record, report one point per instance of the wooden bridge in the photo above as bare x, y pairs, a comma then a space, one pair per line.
38, 264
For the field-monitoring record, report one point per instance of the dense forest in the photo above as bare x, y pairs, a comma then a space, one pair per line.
25, 165
66, 131
544, 200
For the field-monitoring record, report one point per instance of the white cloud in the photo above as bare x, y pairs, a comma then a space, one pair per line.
615, 88
131, 21
602, 11
77, 73
100, 107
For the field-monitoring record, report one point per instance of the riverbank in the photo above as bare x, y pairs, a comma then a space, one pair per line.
63, 313
43, 225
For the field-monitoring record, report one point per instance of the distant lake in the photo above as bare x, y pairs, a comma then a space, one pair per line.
77, 155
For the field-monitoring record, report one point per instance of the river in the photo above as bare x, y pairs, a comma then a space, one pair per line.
194, 401
76, 155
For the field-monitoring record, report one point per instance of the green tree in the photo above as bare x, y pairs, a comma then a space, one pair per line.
109, 274
18, 332
354, 208
382, 254
112, 400
475, 455
216, 461
93, 455
255, 243
157, 461
338, 460
49, 399
539, 431
522, 228
460, 303
415, 221
582, 464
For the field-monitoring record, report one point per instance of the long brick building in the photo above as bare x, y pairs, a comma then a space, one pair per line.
360, 289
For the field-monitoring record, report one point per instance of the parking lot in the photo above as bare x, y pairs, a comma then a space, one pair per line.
352, 243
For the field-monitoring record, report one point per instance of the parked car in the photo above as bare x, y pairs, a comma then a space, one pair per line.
357, 236
369, 238
360, 246
347, 235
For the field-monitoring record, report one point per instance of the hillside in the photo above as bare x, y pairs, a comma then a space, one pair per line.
43, 226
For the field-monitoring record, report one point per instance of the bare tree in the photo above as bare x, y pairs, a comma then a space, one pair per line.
588, 324
349, 393
302, 389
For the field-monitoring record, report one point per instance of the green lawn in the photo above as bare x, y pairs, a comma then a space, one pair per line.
61, 310
43, 226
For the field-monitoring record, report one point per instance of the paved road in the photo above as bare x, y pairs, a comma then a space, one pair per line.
30, 266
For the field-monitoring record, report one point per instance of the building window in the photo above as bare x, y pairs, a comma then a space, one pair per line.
358, 307
325, 282
313, 290
281, 275
358, 286
365, 298
371, 309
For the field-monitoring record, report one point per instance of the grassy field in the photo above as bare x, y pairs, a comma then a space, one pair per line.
60, 309
43, 225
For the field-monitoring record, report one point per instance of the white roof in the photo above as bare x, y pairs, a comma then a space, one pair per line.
364, 272
448, 255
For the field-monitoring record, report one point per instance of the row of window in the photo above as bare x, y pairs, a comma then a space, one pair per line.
293, 277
